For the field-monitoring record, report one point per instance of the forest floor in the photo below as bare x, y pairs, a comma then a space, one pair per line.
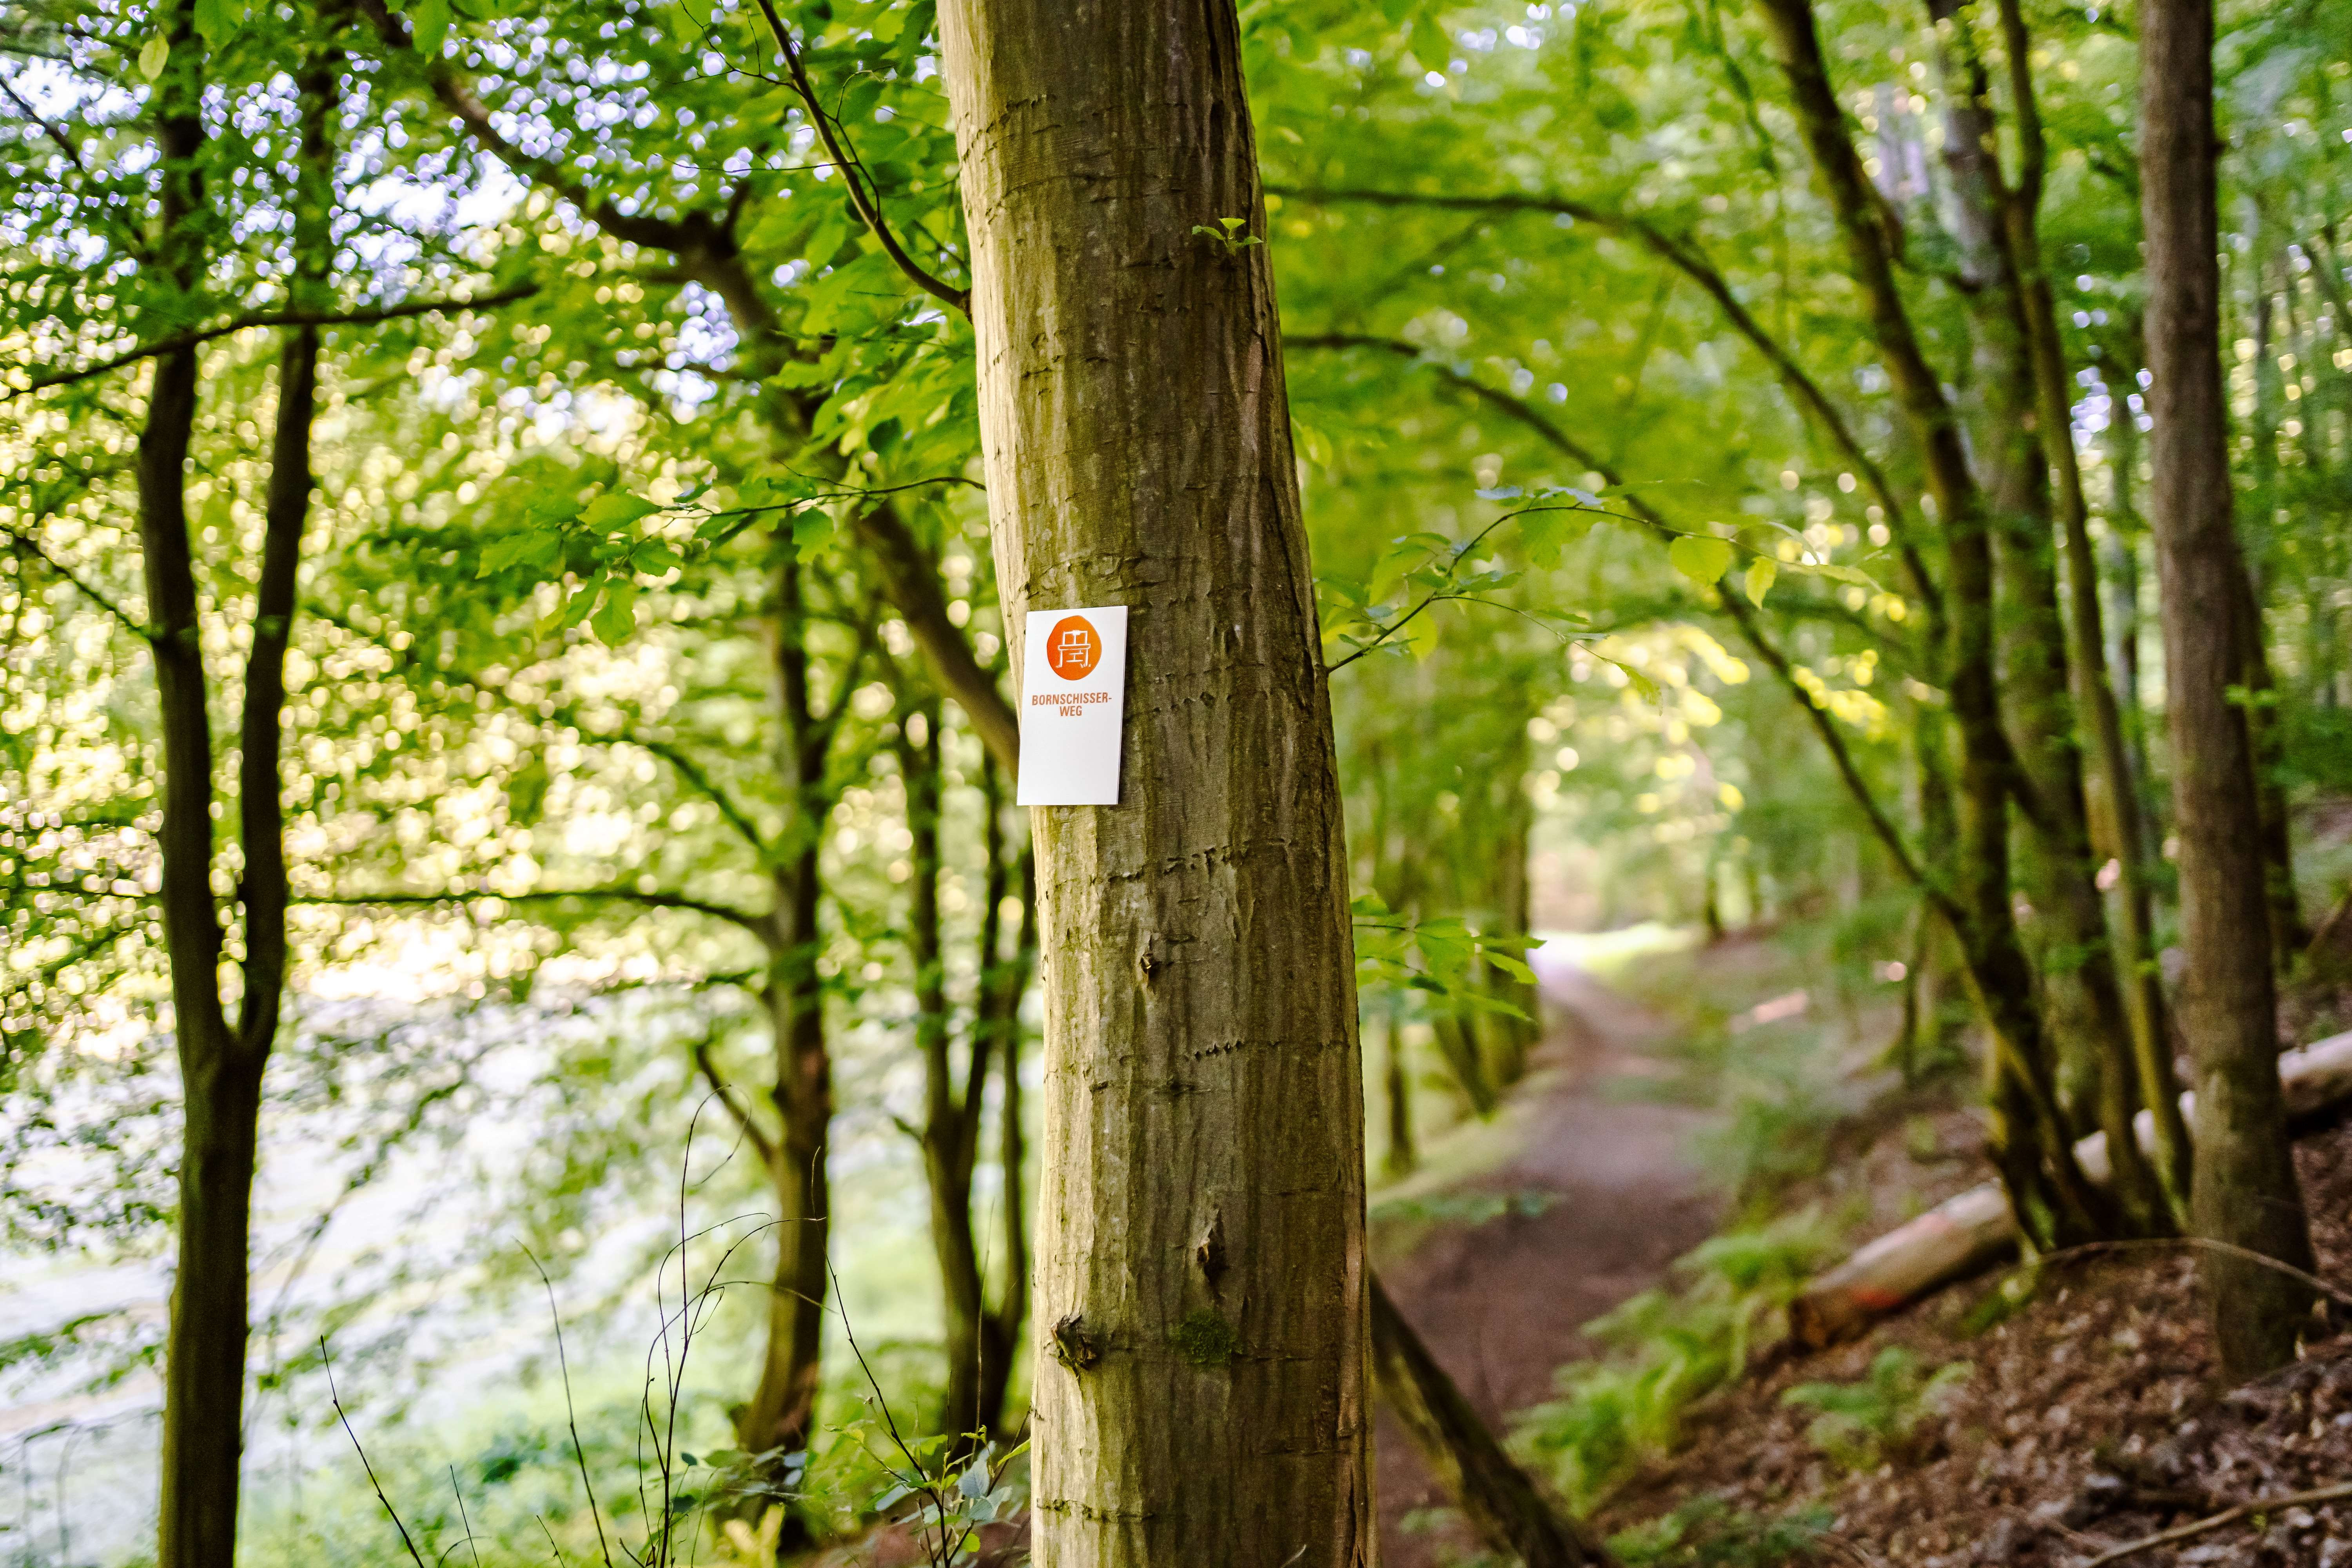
2085, 1413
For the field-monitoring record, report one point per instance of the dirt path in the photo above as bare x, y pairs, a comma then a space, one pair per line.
1501, 1301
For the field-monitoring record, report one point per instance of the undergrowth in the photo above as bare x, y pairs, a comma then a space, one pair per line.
1669, 1350
1880, 1416
1708, 1532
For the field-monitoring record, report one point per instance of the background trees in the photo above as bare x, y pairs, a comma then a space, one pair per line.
1731, 485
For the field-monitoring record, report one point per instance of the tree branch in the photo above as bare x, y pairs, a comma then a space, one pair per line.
1684, 254
456, 94
864, 200
288, 318
28, 546
754, 1134
1742, 613
755, 925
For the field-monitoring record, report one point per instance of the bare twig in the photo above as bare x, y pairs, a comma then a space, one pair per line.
657, 900
866, 201
459, 1492
571, 1415
336, 1399
762, 1144
2226, 1517
2198, 1243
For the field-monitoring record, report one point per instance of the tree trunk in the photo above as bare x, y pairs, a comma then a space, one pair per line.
1202, 1250
2089, 1026
1502, 1504
1000, 1340
1396, 1083
783, 1404
950, 1129
1514, 910
221, 1065
2055, 1203
2245, 1193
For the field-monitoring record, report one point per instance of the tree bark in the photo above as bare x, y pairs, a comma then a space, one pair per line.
1502, 1504
1201, 1258
2244, 1192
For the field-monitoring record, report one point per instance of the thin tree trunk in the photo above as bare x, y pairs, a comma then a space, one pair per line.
2083, 1008
949, 1133
1000, 1326
2056, 1204
1502, 1504
1514, 1037
2288, 931
1457, 1042
2117, 831
221, 1065
1201, 1261
782, 1406
2245, 1193
1396, 1082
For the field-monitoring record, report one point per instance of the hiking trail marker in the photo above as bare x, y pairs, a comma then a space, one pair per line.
1073, 700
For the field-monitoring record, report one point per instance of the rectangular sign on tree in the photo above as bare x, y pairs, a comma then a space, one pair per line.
1073, 701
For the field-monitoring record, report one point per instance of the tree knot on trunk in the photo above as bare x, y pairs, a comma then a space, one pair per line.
1209, 1252
1072, 1348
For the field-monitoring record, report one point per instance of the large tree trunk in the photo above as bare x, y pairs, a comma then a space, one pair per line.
2244, 1192
1201, 1249
1502, 1504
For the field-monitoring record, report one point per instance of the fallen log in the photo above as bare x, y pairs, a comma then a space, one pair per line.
1971, 1232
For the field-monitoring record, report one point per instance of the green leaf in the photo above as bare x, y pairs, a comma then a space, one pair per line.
432, 23
616, 618
1760, 573
153, 56
1700, 557
218, 20
654, 558
536, 547
616, 509
684, 26
812, 526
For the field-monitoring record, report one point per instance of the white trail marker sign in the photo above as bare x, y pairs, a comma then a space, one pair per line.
1073, 705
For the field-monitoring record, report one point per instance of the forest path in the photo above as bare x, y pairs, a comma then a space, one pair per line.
1501, 1300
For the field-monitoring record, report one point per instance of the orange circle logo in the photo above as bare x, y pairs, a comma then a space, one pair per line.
1073, 647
